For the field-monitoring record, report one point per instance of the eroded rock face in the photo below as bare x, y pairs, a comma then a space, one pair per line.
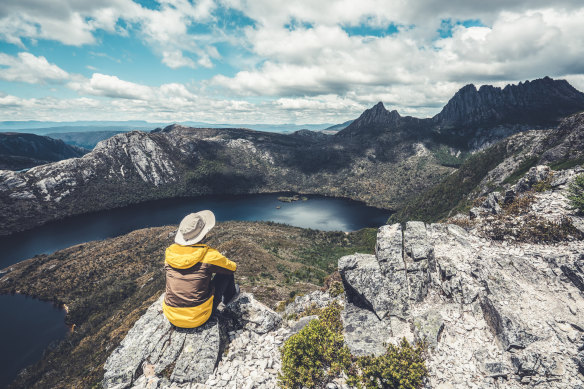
366, 285
156, 354
492, 314
154, 345
363, 332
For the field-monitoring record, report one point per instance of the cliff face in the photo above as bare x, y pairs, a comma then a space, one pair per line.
474, 118
23, 151
539, 102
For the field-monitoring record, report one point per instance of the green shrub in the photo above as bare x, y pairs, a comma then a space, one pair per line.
315, 354
566, 164
523, 168
336, 289
401, 367
576, 195
535, 229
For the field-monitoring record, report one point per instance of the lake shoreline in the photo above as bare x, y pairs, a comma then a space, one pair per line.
98, 225
219, 196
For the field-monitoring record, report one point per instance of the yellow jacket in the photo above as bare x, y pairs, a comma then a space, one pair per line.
188, 302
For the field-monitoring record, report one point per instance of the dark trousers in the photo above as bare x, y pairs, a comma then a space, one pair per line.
224, 286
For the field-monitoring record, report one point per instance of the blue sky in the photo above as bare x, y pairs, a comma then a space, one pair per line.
272, 61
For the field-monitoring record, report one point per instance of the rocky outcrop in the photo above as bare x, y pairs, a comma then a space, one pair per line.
249, 314
492, 314
156, 354
531, 102
536, 207
155, 351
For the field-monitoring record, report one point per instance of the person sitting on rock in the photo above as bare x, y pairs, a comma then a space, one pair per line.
191, 294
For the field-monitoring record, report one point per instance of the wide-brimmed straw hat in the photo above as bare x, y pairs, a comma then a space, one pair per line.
194, 227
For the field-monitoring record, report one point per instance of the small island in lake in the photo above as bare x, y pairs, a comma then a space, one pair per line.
289, 199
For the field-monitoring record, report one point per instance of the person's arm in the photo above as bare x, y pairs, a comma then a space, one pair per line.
219, 264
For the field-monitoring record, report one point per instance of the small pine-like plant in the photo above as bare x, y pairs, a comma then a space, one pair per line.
576, 193
316, 353
336, 289
401, 367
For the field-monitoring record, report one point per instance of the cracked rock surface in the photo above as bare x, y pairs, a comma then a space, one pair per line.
494, 315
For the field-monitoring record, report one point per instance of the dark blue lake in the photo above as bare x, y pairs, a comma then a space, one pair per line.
28, 327
321, 213
20, 315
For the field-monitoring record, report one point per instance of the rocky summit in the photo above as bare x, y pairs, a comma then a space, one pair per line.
529, 102
493, 315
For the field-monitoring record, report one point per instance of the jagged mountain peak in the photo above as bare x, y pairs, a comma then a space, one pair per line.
379, 107
539, 102
374, 117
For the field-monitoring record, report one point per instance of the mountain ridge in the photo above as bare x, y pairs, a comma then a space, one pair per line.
471, 112
22, 151
539, 101
382, 159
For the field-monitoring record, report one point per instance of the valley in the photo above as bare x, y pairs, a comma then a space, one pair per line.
495, 163
381, 158
107, 285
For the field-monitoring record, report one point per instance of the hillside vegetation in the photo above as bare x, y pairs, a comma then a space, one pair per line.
107, 285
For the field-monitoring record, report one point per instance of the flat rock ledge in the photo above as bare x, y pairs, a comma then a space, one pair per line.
156, 354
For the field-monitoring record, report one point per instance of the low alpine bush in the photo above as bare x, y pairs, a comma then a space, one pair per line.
317, 354
576, 195
401, 367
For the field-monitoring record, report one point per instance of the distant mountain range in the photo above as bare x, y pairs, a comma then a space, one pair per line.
87, 140
23, 151
339, 127
381, 158
44, 128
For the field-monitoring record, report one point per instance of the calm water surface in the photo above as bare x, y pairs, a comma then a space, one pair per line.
322, 213
28, 325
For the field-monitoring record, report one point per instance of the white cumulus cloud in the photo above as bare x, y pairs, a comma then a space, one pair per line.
26, 67
111, 86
